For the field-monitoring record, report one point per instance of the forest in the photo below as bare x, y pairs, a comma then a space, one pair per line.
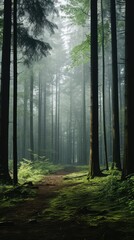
66, 119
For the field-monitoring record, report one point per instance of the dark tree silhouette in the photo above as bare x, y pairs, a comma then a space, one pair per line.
94, 142
5, 84
115, 101
128, 165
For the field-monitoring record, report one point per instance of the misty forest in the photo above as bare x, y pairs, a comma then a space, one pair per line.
66, 119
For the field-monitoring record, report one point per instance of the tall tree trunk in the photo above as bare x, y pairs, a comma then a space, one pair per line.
39, 115
25, 118
103, 86
58, 126
94, 143
5, 86
15, 176
52, 134
56, 119
70, 124
45, 110
31, 117
128, 164
84, 143
116, 134
101, 155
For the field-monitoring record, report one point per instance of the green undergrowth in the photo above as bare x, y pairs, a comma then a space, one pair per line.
120, 191
35, 171
10, 196
29, 173
95, 201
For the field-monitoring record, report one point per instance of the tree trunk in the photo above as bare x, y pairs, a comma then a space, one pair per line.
56, 122
58, 126
39, 115
31, 117
5, 88
52, 134
103, 87
94, 143
70, 124
15, 176
128, 164
116, 134
45, 110
25, 118
84, 143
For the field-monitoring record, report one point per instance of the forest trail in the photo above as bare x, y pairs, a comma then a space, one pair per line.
26, 221
29, 210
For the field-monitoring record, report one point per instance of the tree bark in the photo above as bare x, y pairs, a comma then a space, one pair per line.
15, 175
128, 164
5, 88
103, 87
94, 143
115, 101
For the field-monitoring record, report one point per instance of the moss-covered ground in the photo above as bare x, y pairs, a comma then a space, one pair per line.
65, 205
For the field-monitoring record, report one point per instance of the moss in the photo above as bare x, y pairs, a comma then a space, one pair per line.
92, 202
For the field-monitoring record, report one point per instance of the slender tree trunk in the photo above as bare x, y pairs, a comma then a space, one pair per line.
128, 164
45, 110
58, 126
110, 142
25, 118
56, 118
103, 86
5, 86
39, 115
70, 125
52, 137
15, 175
31, 117
84, 160
94, 142
116, 134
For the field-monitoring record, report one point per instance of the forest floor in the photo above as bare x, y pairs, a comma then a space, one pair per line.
62, 210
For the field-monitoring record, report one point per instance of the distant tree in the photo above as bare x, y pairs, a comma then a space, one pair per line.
45, 113
39, 115
25, 111
31, 117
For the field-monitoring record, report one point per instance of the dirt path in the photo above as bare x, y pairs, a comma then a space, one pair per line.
30, 209
25, 222
22, 222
